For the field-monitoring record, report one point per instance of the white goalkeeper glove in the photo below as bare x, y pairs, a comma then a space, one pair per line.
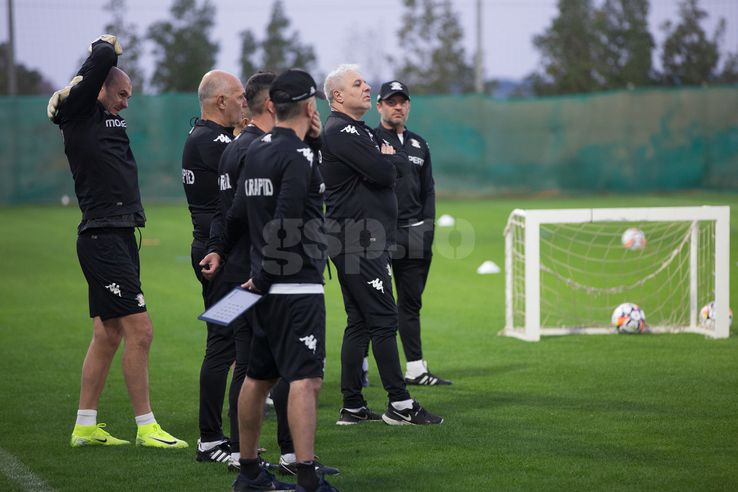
59, 96
109, 38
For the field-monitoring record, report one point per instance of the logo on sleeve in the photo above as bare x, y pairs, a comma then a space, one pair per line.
224, 182
350, 129
414, 143
222, 138
307, 153
416, 160
141, 301
258, 187
188, 177
267, 138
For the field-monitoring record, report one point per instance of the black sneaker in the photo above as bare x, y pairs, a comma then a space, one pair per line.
347, 417
265, 481
323, 486
428, 379
235, 465
220, 453
291, 468
416, 415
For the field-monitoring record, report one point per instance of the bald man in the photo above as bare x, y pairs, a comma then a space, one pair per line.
222, 106
106, 184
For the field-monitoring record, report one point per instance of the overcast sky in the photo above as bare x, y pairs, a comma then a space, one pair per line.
52, 35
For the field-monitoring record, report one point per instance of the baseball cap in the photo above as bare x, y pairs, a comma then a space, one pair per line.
292, 86
391, 88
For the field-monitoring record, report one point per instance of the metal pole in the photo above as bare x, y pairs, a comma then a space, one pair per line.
12, 82
478, 75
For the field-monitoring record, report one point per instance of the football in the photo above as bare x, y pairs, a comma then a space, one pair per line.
629, 318
633, 239
707, 315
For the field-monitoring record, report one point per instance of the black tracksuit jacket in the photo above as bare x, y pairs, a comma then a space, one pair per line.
97, 148
279, 201
359, 185
415, 189
238, 265
200, 157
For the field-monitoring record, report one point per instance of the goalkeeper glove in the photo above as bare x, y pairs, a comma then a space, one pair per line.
59, 96
109, 38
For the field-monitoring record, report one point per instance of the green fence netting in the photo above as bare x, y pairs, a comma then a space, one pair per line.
629, 141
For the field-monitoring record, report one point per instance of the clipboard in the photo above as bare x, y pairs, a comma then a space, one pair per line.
230, 307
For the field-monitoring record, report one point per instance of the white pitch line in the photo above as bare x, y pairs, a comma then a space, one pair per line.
17, 472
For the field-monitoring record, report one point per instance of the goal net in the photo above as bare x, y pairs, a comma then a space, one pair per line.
566, 270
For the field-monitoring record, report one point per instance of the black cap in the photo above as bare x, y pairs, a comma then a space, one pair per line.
292, 86
391, 88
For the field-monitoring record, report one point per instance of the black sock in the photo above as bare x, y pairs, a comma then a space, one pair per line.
250, 468
306, 476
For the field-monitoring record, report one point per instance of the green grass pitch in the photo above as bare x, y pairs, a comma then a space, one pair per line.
649, 412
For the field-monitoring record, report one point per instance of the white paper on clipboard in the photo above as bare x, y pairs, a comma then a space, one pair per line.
230, 307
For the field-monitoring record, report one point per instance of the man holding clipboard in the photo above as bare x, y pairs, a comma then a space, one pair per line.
279, 201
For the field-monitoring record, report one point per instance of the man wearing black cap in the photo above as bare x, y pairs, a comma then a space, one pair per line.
416, 204
361, 207
237, 269
279, 203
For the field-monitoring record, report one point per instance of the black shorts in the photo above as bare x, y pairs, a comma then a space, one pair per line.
288, 337
109, 261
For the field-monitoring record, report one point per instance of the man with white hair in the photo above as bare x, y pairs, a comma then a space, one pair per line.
361, 207
106, 184
222, 104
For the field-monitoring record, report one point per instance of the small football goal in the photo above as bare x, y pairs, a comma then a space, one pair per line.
567, 270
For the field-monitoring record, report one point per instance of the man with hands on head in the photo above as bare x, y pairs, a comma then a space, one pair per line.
106, 184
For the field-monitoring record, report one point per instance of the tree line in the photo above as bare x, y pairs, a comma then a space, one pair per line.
589, 46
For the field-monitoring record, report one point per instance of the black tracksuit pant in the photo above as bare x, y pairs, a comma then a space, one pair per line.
225, 345
410, 278
371, 315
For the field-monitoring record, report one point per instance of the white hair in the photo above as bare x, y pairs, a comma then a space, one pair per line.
334, 79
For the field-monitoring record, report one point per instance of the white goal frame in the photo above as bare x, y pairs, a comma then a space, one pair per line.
533, 219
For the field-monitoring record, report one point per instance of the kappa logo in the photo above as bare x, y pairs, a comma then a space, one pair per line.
350, 129
307, 153
114, 288
396, 86
267, 138
310, 342
414, 143
377, 284
140, 299
222, 138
